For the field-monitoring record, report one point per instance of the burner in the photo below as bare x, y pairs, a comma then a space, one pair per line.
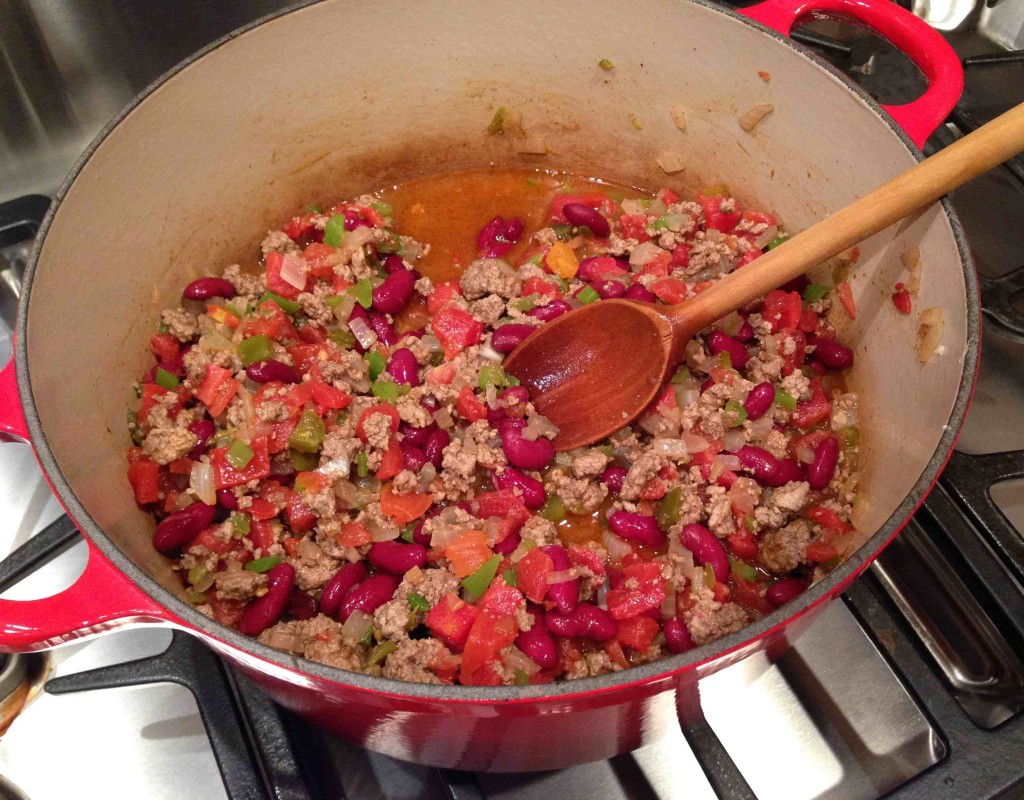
20, 678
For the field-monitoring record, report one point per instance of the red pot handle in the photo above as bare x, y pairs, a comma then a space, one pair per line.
12, 418
919, 41
101, 599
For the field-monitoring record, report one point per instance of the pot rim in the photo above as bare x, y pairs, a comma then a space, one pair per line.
651, 672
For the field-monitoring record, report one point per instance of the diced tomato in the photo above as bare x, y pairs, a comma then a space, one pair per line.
467, 552
165, 347
537, 285
901, 299
280, 432
680, 255
668, 197
587, 557
392, 462
659, 265
225, 476
748, 256
305, 356
487, 675
606, 267
532, 572
327, 397
707, 455
671, 290
760, 218
380, 408
222, 316
211, 542
469, 406
353, 534
298, 515
782, 309
600, 202
261, 534
273, 492
715, 218
490, 634
634, 227
808, 321
226, 612
291, 546
143, 475
506, 507
637, 632
217, 389
810, 412
809, 441
442, 295
261, 509
445, 666
180, 466
721, 592
150, 393
829, 519
298, 226
654, 489
404, 508
501, 599
456, 329
614, 650
277, 284
742, 544
626, 603
793, 355
441, 375
846, 298
271, 320
750, 594
820, 552
451, 620
319, 257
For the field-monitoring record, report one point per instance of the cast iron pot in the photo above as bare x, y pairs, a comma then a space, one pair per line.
333, 99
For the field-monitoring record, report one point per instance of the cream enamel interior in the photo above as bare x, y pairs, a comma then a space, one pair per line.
332, 100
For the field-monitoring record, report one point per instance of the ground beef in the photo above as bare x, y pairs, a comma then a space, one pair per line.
643, 470
488, 310
458, 468
708, 619
589, 464
489, 276
449, 522
180, 324
378, 430
579, 495
592, 664
391, 620
413, 659
314, 304
540, 531
164, 445
240, 584
487, 443
318, 639
785, 549
313, 567
278, 242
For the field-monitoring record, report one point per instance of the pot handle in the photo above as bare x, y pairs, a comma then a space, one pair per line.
101, 599
921, 43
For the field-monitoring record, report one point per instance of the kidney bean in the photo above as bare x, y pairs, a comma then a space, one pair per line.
782, 592
506, 338
586, 620
207, 288
404, 368
369, 595
264, 611
302, 605
412, 457
789, 470
538, 643
821, 470
181, 527
339, 585
353, 220
745, 333
508, 545
416, 436
497, 236
521, 452
495, 416
609, 290
579, 214
396, 557
564, 594
613, 477
202, 429
830, 353
395, 292
434, 447
677, 637
393, 263
759, 461
226, 499
760, 400
706, 549
418, 535
384, 330
592, 268
549, 312
639, 292
637, 528
721, 342
271, 370
514, 395
531, 489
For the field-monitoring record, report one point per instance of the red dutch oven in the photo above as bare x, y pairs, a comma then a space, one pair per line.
332, 99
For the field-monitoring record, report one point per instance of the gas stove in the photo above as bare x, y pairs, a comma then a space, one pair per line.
911, 686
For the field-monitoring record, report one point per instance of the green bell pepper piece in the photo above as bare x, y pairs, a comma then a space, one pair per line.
308, 434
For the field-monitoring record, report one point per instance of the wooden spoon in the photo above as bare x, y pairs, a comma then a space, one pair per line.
593, 370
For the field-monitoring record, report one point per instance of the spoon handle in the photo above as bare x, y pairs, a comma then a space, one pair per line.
985, 148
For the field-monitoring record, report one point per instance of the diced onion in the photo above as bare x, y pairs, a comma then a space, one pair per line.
762, 240
537, 426
432, 343
362, 331
675, 222
200, 480
340, 466
356, 626
616, 548
633, 207
309, 549
427, 476
343, 310
360, 236
911, 260
678, 117
488, 353
443, 418
668, 606
492, 527
671, 161
214, 342
293, 270
351, 496
382, 533
694, 443
657, 207
744, 494
753, 116
672, 448
686, 394
759, 428
729, 462
561, 576
733, 441
515, 658
282, 640
644, 253
929, 333
805, 455
730, 323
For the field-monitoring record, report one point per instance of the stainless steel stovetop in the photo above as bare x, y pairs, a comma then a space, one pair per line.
900, 688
